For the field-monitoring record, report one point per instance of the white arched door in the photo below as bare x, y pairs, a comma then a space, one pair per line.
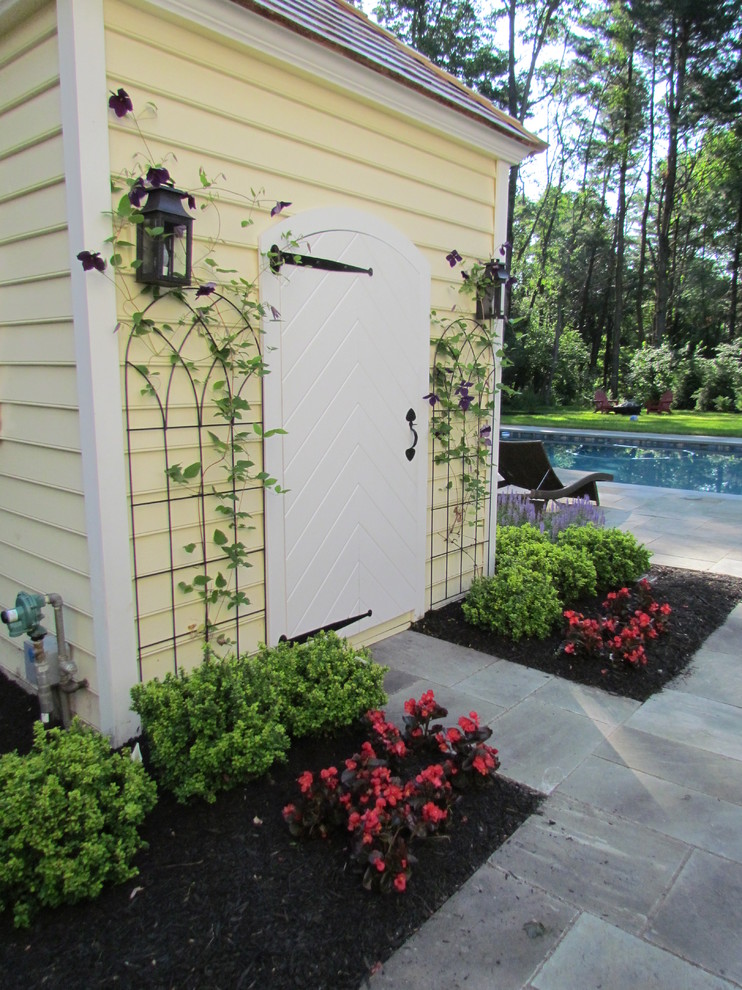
348, 357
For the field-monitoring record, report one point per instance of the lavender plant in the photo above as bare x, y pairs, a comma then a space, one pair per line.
516, 509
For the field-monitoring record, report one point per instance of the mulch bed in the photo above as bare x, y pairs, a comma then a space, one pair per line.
227, 900
700, 603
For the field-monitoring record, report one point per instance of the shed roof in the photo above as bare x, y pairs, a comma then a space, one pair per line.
347, 30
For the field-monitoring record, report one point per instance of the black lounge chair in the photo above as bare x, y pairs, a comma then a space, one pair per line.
525, 464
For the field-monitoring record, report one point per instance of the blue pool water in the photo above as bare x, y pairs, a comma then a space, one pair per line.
682, 463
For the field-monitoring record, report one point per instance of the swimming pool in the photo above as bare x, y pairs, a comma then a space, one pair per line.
667, 462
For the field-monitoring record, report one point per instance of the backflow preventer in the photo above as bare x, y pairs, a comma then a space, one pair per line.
48, 659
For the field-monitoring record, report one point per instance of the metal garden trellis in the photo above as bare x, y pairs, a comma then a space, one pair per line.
463, 397
190, 361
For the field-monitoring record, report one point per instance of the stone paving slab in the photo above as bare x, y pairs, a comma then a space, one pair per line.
688, 766
429, 658
593, 703
493, 933
701, 919
686, 718
713, 675
540, 744
505, 683
727, 565
615, 869
679, 812
598, 955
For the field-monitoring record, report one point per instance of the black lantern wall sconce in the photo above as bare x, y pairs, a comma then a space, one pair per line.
491, 294
164, 239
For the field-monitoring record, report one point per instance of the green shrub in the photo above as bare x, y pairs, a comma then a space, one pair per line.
69, 812
322, 684
570, 568
212, 728
230, 719
573, 572
617, 556
516, 602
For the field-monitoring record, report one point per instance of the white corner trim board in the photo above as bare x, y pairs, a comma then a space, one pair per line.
87, 172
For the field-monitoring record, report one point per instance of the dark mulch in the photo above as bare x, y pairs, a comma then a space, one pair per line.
226, 900
700, 603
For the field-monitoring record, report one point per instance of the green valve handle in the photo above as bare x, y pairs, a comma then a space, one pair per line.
26, 616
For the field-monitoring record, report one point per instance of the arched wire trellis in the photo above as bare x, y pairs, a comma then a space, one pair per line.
463, 400
200, 373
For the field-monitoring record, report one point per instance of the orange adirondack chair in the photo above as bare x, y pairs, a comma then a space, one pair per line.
602, 403
662, 404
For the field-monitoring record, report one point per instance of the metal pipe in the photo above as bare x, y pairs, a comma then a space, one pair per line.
68, 682
46, 701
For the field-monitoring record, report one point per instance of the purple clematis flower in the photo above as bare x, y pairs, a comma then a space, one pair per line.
157, 176
280, 205
463, 389
120, 103
432, 398
275, 314
453, 258
504, 247
465, 401
137, 193
190, 199
206, 289
484, 435
90, 260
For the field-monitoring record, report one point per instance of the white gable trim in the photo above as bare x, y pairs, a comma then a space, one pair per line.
230, 20
88, 186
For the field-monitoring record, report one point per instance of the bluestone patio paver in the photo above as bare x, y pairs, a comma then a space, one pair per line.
615, 869
504, 683
680, 812
688, 766
701, 918
429, 658
597, 955
686, 718
493, 933
541, 744
597, 705
714, 675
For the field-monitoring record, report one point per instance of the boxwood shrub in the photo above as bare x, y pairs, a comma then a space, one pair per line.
230, 719
534, 578
69, 813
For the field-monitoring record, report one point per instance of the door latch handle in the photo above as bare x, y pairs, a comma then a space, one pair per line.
410, 417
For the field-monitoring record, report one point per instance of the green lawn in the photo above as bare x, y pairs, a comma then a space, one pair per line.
684, 423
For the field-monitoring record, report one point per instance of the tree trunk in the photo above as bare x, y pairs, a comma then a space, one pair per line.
621, 224
678, 59
645, 213
735, 272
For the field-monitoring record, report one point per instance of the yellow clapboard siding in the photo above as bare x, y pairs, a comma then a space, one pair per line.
35, 68
54, 507
40, 573
23, 123
60, 544
59, 388
205, 56
28, 34
37, 211
40, 463
46, 342
32, 423
30, 258
24, 170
